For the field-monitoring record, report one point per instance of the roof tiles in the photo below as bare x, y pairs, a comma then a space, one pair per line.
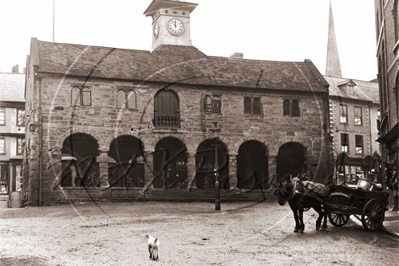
171, 63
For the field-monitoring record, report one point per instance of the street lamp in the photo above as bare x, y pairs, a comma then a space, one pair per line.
216, 169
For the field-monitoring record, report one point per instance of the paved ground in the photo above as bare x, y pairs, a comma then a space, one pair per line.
190, 234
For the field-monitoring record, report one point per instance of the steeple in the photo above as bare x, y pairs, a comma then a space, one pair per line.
333, 67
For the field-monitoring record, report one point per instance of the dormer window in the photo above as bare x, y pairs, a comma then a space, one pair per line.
347, 86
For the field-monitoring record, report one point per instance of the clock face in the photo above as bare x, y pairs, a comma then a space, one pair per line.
175, 26
156, 30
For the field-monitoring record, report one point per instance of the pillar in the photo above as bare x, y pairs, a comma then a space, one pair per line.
191, 172
148, 169
233, 170
272, 164
102, 160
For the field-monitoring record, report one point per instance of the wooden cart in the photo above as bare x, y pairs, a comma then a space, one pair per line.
369, 205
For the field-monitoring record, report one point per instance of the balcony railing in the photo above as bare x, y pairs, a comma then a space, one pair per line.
167, 121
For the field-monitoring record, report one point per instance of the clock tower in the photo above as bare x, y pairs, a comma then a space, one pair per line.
170, 22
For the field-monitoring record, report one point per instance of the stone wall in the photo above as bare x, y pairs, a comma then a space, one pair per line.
104, 121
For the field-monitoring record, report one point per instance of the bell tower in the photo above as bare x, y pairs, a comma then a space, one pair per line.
170, 22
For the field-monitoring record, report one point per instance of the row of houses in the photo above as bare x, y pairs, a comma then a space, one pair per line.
119, 124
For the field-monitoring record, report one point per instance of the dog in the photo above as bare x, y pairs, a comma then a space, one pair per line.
153, 247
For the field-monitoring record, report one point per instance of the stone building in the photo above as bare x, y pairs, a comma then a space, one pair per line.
354, 110
387, 36
120, 124
12, 131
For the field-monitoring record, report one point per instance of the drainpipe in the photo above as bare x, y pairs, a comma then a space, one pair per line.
40, 141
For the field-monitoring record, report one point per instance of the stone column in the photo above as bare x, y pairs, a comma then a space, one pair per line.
148, 169
233, 170
272, 164
191, 172
102, 160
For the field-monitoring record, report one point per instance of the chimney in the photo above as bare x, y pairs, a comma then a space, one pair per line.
15, 69
236, 56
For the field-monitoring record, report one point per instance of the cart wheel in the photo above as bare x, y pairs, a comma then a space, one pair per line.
338, 219
342, 201
357, 207
373, 214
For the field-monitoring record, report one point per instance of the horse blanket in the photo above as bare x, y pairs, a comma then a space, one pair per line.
317, 189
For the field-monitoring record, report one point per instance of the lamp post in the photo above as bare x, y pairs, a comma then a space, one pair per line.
216, 169
216, 131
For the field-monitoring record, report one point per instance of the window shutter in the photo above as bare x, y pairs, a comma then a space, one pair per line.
207, 104
286, 107
75, 96
86, 97
295, 109
247, 106
216, 104
131, 100
121, 99
257, 109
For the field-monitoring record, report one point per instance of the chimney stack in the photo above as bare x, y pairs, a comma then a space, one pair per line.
236, 56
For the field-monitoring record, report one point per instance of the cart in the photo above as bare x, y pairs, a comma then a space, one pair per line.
360, 201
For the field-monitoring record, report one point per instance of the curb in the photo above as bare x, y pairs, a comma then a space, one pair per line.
357, 220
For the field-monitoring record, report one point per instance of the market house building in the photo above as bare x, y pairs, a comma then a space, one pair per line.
122, 124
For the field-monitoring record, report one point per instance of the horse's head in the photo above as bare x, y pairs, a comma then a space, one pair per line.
283, 191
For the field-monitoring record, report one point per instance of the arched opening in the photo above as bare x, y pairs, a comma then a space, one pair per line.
126, 171
82, 167
252, 165
205, 164
166, 109
170, 164
291, 160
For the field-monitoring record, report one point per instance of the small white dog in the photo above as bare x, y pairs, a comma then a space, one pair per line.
153, 247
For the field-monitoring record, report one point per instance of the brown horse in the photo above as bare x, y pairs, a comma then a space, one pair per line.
301, 197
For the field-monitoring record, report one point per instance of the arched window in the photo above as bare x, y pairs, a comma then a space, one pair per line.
295, 109
212, 104
257, 107
286, 107
207, 104
121, 99
75, 96
131, 100
166, 109
247, 105
86, 97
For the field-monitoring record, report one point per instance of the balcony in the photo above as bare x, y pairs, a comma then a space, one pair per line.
167, 121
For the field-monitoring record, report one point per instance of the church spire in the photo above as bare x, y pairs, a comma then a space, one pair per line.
333, 67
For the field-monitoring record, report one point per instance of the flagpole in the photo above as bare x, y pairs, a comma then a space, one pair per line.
53, 18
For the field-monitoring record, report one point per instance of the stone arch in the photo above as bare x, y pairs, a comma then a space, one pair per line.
252, 165
291, 160
205, 164
170, 163
81, 167
126, 171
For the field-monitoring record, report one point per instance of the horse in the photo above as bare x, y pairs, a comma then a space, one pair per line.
287, 190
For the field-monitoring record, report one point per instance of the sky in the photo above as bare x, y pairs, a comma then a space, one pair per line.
283, 30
